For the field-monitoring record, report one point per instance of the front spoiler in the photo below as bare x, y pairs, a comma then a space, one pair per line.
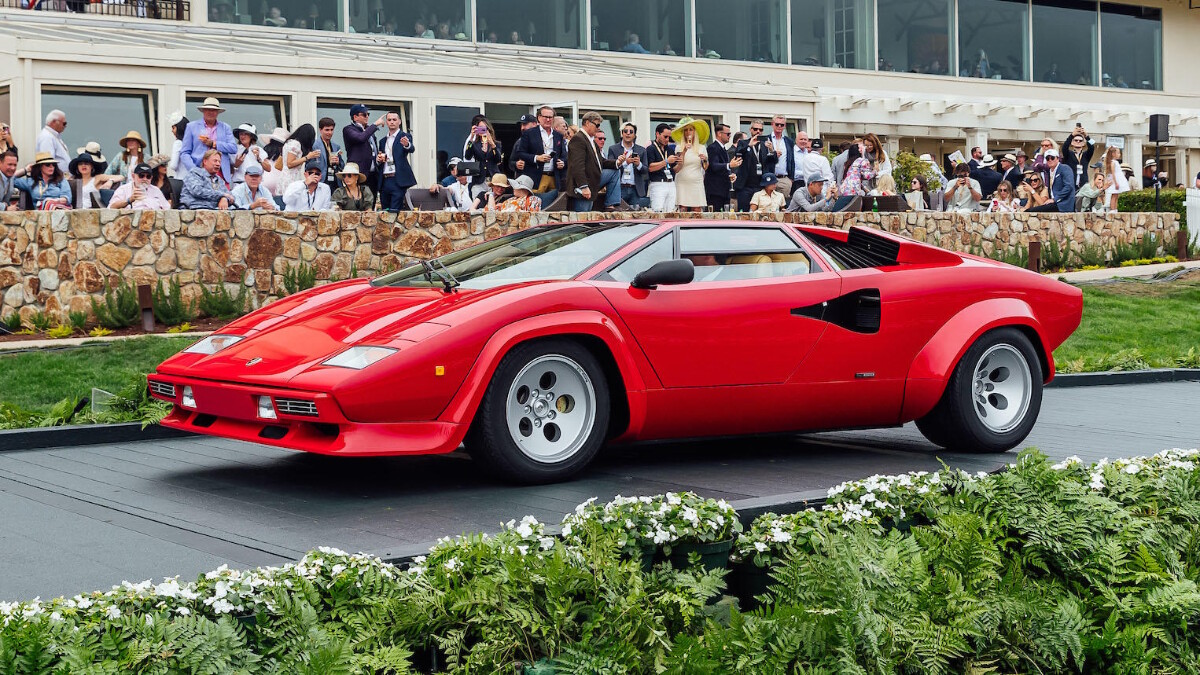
228, 410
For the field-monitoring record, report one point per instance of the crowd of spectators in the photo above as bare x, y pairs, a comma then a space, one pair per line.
686, 166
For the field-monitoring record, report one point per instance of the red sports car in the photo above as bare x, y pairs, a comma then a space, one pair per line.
536, 348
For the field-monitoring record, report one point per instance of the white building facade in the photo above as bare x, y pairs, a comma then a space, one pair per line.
924, 75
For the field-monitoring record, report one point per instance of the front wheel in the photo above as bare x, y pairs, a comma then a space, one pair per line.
993, 397
544, 415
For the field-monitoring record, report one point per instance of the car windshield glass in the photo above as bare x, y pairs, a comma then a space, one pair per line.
536, 254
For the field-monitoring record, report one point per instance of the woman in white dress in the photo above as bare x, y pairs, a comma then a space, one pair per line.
1115, 182
690, 137
297, 151
178, 128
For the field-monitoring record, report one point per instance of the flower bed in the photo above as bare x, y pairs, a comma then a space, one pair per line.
1042, 568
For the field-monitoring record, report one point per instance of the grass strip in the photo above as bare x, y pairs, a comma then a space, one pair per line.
37, 380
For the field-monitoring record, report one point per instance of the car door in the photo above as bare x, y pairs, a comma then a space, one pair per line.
733, 324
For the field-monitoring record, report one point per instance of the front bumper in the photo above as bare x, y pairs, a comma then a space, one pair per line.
230, 410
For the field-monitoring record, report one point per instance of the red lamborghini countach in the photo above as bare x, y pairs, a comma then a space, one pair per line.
537, 348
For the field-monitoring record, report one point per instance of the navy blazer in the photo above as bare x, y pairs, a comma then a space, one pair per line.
641, 174
716, 178
361, 146
323, 160
404, 173
1062, 188
530, 145
747, 173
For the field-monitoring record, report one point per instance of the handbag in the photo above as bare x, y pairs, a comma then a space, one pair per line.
469, 168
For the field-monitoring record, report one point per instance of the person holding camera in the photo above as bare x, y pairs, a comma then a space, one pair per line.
963, 193
1077, 154
482, 147
757, 161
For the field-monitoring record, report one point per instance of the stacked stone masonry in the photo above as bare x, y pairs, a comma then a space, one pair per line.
54, 261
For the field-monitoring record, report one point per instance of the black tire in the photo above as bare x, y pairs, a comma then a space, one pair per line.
958, 423
490, 440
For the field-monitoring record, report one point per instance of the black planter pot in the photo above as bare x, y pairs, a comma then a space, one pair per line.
746, 581
714, 555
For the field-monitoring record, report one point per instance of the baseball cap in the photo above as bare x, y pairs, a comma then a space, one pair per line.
453, 161
253, 169
144, 168
358, 108
313, 165
814, 177
1050, 153
528, 119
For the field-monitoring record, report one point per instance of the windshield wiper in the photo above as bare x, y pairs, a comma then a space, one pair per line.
449, 283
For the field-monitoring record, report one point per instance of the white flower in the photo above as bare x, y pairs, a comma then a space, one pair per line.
453, 564
183, 611
222, 606
673, 499
1132, 469
778, 535
169, 588
760, 546
113, 612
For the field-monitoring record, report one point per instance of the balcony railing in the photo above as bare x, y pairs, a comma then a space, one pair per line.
171, 10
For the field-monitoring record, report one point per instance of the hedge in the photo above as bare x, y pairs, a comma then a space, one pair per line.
1137, 201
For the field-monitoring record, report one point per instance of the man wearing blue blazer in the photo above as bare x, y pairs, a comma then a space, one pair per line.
208, 133
544, 152
391, 164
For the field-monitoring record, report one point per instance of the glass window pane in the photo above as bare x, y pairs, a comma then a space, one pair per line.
993, 39
412, 18
1131, 46
833, 33
5, 106
1064, 41
661, 249
104, 117
733, 240
752, 30
265, 114
914, 36
339, 112
307, 14
548, 23
642, 27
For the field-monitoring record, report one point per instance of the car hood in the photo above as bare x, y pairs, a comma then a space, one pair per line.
291, 335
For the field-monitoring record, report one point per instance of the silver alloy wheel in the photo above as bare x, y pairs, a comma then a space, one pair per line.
1002, 388
551, 408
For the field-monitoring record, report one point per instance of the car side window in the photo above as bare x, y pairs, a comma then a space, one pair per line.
732, 254
656, 251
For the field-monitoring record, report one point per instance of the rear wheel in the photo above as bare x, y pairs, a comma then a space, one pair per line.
544, 415
993, 397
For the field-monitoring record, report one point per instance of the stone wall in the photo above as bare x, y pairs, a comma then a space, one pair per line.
52, 261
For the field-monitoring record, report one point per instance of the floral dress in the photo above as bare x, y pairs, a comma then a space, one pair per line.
287, 175
856, 174
529, 203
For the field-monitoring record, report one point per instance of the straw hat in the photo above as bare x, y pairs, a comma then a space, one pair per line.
499, 180
133, 136
987, 161
44, 158
211, 103
352, 168
702, 131
158, 160
92, 148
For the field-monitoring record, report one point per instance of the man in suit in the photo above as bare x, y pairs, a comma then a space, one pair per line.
633, 167
1009, 171
718, 178
756, 161
359, 137
585, 166
330, 159
515, 165
391, 164
986, 175
1062, 185
541, 148
976, 158
208, 133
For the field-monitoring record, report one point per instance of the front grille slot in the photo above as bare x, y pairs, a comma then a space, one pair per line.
165, 389
296, 406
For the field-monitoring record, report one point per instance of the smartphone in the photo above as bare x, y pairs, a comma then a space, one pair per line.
670, 148
480, 130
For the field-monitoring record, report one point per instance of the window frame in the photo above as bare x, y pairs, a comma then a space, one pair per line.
285, 102
151, 96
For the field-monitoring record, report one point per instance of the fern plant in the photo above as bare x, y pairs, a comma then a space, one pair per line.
299, 278
11, 323
219, 303
120, 308
78, 320
169, 306
38, 322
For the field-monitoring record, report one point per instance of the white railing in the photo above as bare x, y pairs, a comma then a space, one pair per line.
1192, 204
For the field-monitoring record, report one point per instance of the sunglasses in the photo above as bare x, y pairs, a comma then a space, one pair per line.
627, 131
756, 130
1003, 191
1035, 181
779, 124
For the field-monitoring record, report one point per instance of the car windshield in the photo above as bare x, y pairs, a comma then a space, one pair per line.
536, 254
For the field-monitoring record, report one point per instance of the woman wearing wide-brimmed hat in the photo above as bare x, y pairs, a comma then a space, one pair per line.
92, 180
133, 153
44, 183
160, 178
354, 195
690, 137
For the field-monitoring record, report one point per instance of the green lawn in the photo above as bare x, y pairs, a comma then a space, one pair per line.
1161, 321
37, 380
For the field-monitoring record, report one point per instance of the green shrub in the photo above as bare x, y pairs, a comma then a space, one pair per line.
120, 308
39, 322
1091, 255
132, 403
1054, 257
299, 278
169, 307
219, 303
59, 332
1124, 251
12, 322
906, 165
1148, 246
78, 320
1142, 201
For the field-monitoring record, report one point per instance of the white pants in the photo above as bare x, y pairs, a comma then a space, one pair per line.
662, 196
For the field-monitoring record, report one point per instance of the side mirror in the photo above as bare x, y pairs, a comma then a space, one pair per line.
669, 272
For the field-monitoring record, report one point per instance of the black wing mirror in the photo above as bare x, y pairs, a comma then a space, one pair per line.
669, 272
